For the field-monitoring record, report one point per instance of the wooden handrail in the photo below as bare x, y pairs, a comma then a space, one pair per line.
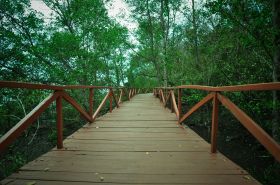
58, 94
23, 85
272, 146
267, 141
13, 133
248, 87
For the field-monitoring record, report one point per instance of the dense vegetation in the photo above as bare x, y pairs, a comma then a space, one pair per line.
211, 42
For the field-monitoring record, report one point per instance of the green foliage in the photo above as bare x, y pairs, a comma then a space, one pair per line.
13, 162
219, 42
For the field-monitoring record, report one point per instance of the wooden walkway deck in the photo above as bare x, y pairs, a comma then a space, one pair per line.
138, 143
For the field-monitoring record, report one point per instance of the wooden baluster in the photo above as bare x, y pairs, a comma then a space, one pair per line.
129, 94
179, 103
120, 96
214, 124
111, 100
171, 102
91, 94
59, 122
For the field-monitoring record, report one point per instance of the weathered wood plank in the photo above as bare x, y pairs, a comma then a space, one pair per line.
129, 178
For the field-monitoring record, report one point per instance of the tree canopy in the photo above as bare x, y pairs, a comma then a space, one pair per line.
209, 42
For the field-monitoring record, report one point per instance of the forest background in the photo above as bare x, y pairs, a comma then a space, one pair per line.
170, 43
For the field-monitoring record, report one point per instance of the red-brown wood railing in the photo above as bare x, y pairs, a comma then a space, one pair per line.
59, 93
215, 94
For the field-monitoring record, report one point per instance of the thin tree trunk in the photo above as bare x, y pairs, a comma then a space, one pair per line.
194, 21
276, 69
164, 27
152, 44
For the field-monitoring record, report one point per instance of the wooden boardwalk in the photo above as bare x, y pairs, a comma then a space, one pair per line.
139, 143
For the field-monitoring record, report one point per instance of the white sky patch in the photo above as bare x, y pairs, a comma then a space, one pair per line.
117, 10
40, 6
121, 12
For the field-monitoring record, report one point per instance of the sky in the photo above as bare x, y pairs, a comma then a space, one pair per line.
117, 9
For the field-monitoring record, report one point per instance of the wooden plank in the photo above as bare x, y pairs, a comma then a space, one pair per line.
139, 129
42, 182
130, 178
146, 164
132, 124
156, 146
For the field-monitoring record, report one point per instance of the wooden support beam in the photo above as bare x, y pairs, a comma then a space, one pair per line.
91, 94
100, 106
197, 106
114, 98
129, 94
15, 132
174, 105
162, 97
59, 122
111, 100
120, 97
268, 142
214, 128
179, 105
70, 100
167, 99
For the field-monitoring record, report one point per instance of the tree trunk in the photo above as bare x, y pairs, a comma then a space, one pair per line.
195, 32
152, 44
165, 28
276, 69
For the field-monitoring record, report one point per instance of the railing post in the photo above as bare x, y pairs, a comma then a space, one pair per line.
111, 100
179, 104
120, 96
91, 93
214, 124
171, 102
59, 122
160, 95
129, 94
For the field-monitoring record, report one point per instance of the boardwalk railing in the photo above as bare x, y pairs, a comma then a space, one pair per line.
167, 94
59, 93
